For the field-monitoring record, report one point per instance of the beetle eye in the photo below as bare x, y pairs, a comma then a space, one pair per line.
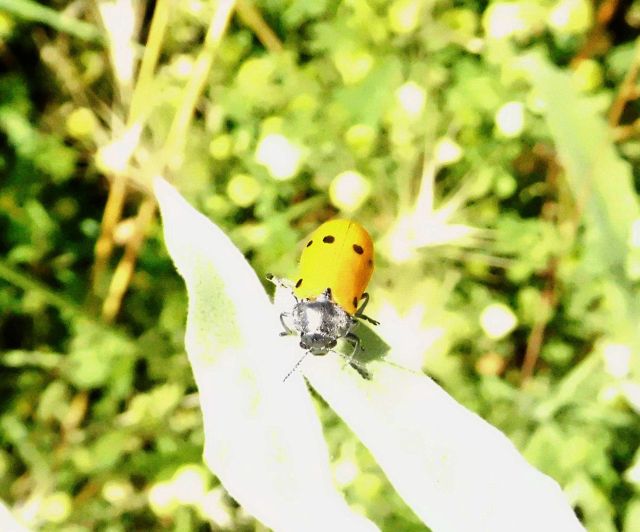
303, 345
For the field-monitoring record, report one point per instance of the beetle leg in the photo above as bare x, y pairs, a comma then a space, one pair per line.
351, 360
355, 342
279, 281
362, 371
359, 313
288, 331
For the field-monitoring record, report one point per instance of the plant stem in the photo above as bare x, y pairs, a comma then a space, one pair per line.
174, 144
36, 12
149, 62
21, 280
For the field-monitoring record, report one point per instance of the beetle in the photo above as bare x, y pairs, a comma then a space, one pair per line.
334, 271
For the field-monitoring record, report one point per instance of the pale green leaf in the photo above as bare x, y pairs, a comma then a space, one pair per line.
262, 436
453, 469
598, 177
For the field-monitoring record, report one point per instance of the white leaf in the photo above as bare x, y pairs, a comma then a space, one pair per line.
263, 439
453, 469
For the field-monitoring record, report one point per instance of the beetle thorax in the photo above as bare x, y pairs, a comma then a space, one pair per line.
320, 323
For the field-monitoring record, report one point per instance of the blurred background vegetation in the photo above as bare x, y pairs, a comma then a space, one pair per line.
491, 148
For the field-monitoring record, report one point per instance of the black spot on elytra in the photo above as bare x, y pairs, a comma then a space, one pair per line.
355, 302
329, 239
298, 283
370, 263
309, 243
358, 249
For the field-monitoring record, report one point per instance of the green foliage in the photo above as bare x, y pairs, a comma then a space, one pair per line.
466, 119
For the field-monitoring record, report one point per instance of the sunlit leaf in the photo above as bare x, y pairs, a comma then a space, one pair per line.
262, 437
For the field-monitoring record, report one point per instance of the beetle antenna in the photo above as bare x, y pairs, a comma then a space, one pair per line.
295, 367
